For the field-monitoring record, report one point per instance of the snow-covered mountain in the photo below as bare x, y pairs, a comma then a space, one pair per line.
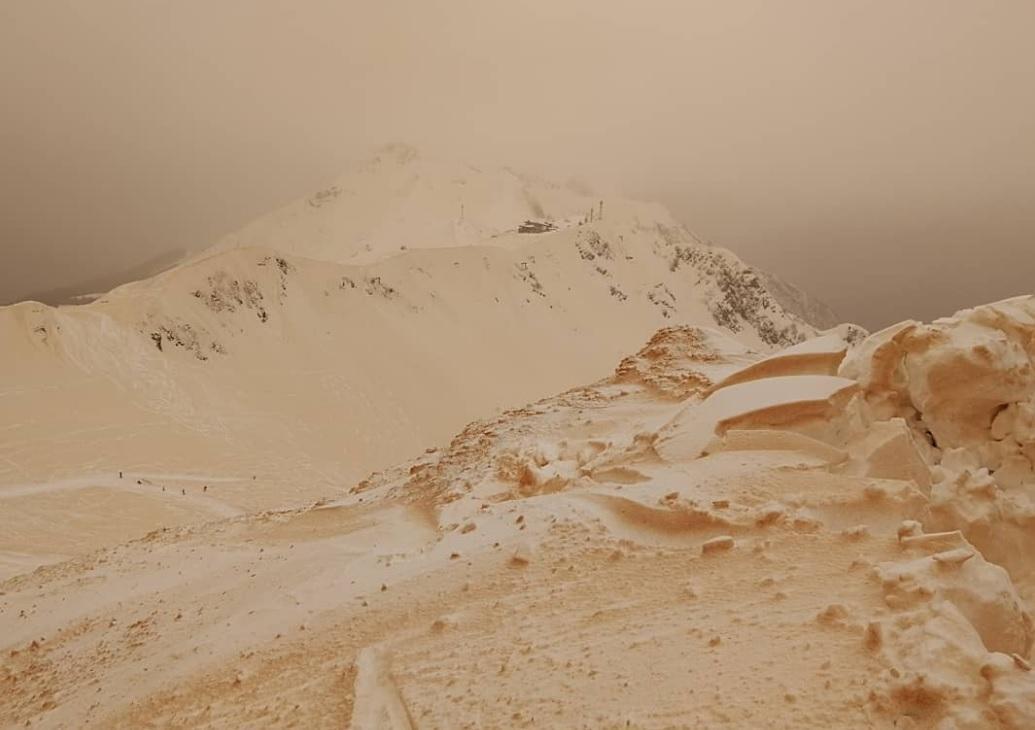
275, 485
401, 199
354, 328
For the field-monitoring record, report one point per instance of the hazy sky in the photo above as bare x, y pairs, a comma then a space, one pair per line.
879, 153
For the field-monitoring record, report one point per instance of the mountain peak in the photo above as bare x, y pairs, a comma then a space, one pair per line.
400, 198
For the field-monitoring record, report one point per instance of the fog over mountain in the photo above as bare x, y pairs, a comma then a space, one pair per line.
826, 142
471, 364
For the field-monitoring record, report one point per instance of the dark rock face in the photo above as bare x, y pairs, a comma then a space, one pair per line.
182, 335
591, 246
376, 287
226, 294
738, 296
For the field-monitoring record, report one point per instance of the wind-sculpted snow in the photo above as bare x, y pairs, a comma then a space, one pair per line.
841, 552
282, 349
967, 381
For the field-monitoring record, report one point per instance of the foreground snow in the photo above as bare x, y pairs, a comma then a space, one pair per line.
843, 550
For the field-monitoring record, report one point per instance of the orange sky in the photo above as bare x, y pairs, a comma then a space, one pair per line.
879, 153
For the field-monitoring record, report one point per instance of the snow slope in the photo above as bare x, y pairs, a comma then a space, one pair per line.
867, 564
292, 369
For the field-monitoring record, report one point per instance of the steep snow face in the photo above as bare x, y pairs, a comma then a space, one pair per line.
965, 386
967, 383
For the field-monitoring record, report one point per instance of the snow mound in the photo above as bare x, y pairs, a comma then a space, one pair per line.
816, 356
678, 362
789, 402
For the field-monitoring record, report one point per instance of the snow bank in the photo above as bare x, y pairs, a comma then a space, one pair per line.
792, 402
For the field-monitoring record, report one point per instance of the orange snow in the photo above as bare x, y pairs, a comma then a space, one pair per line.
555, 566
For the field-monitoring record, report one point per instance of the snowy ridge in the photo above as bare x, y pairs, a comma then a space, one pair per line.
337, 346
799, 548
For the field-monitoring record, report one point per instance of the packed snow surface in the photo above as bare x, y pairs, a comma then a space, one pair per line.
845, 550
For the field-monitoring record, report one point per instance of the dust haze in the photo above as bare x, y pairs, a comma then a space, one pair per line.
834, 143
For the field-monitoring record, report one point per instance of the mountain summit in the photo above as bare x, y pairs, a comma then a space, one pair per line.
400, 198
348, 331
